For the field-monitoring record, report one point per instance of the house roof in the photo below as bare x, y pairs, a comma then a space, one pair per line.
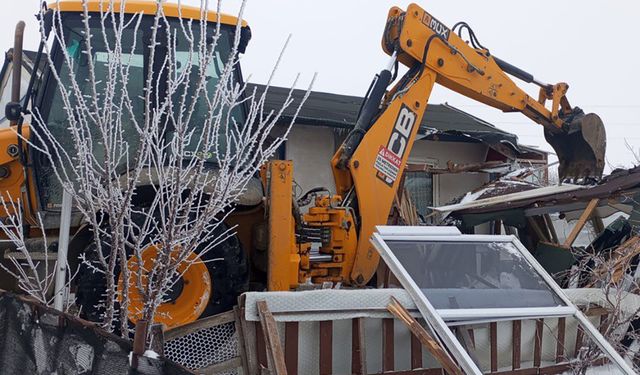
341, 111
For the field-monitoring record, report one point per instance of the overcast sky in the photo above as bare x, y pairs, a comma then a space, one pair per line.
591, 45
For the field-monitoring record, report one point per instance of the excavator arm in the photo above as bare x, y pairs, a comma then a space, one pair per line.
368, 166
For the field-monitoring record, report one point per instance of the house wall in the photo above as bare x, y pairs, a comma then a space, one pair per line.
450, 186
311, 148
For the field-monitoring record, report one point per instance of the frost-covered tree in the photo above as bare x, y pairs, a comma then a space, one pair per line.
149, 129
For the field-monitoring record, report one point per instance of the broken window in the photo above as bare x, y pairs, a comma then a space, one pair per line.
419, 184
456, 275
461, 281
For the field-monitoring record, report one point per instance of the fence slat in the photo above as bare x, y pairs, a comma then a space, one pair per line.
387, 345
517, 337
560, 342
416, 352
537, 347
578, 341
358, 354
326, 347
291, 347
493, 334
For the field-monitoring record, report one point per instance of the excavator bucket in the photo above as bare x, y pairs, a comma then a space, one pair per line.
580, 146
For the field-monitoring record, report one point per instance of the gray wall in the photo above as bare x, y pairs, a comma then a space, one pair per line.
450, 186
311, 149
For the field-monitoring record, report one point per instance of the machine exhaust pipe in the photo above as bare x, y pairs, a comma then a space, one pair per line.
13, 110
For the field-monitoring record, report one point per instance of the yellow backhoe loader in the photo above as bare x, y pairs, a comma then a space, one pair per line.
330, 241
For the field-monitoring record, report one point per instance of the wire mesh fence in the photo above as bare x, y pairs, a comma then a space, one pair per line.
207, 346
35, 339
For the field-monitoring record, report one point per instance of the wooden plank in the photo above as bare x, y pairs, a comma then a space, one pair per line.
560, 342
139, 342
387, 345
537, 344
291, 347
556, 369
222, 367
422, 371
275, 354
157, 339
493, 337
358, 354
200, 324
249, 333
326, 347
416, 352
517, 337
542, 236
598, 224
261, 349
522, 371
425, 338
586, 214
595, 311
242, 343
552, 229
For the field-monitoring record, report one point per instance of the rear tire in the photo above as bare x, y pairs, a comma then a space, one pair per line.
226, 263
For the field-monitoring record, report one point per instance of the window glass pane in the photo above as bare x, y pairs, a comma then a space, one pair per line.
136, 59
420, 188
461, 275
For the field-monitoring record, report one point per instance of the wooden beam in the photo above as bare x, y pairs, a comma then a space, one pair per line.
275, 354
598, 224
542, 236
586, 214
552, 229
432, 345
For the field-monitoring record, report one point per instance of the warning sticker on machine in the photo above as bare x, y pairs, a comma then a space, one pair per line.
388, 163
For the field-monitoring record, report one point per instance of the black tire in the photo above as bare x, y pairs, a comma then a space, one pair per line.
227, 266
229, 275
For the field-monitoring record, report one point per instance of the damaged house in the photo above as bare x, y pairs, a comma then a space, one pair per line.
455, 152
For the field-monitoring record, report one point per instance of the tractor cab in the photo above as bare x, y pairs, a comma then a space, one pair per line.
41, 95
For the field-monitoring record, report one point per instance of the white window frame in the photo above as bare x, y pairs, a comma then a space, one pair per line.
438, 318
